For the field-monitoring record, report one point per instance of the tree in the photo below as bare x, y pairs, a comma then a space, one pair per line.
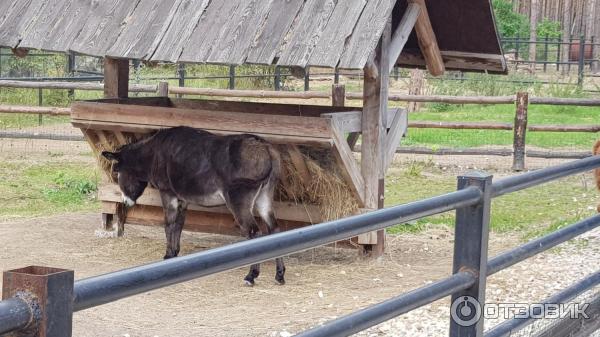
533, 33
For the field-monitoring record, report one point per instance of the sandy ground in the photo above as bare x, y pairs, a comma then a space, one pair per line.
322, 283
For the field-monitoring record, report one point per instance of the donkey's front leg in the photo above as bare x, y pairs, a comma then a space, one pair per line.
175, 210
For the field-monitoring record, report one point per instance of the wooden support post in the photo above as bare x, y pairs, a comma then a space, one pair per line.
374, 120
116, 78
520, 130
338, 95
116, 85
163, 89
49, 294
428, 42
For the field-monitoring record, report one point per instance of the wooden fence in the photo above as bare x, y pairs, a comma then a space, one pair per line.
519, 126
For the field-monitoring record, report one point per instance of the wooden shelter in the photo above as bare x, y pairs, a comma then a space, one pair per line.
372, 35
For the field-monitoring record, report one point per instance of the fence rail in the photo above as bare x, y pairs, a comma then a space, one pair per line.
520, 125
471, 267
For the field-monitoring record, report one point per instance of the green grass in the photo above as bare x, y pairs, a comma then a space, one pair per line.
532, 212
39, 190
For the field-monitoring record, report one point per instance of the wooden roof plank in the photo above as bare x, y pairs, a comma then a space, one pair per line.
50, 18
237, 38
366, 34
18, 18
64, 30
340, 27
144, 29
185, 19
206, 35
306, 32
102, 29
273, 31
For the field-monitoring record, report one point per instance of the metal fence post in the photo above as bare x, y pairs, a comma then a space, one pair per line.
581, 64
231, 77
277, 79
558, 44
49, 294
520, 130
336, 76
71, 71
517, 48
306, 79
545, 52
470, 254
40, 103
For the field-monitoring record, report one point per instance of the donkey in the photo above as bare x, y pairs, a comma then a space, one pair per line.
187, 165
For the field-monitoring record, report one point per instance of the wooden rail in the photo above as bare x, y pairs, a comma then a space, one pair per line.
399, 97
94, 86
38, 110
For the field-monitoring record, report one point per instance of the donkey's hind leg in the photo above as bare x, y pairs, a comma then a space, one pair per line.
240, 201
264, 206
175, 210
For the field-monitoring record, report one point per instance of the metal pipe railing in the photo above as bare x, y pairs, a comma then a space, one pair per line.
110, 287
506, 328
365, 318
533, 178
14, 315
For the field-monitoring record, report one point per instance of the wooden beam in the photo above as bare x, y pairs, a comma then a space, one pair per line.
351, 121
151, 197
345, 157
403, 32
116, 78
428, 41
375, 102
458, 60
397, 130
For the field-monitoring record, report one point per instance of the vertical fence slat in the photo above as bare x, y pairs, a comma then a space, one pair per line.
470, 255
520, 130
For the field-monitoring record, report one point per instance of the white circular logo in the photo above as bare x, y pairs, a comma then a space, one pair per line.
465, 311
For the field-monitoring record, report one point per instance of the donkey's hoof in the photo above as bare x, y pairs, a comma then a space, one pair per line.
280, 281
249, 283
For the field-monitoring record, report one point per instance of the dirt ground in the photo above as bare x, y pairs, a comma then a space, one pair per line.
322, 283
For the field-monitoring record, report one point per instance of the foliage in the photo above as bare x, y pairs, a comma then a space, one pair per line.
548, 28
508, 22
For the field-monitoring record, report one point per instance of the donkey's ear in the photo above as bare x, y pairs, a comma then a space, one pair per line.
116, 156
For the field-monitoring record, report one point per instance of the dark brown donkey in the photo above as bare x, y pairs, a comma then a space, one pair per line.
193, 166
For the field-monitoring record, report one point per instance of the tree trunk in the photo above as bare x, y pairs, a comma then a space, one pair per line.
566, 35
533, 34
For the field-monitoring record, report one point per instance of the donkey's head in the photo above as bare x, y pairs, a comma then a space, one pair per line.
131, 174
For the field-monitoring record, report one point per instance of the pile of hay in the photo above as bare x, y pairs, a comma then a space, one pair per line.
327, 189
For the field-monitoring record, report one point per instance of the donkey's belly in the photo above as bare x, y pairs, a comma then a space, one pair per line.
208, 200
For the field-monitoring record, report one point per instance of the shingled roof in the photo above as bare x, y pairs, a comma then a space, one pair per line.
302, 33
